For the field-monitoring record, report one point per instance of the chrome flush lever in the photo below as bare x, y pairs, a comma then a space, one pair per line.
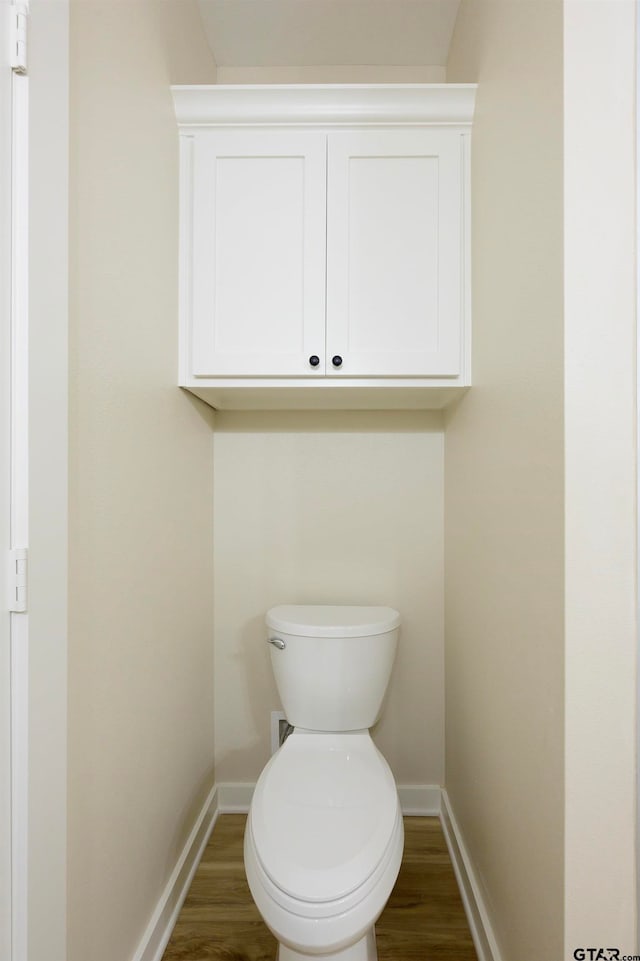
277, 642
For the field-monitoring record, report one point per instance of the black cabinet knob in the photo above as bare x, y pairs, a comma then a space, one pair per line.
314, 360
337, 360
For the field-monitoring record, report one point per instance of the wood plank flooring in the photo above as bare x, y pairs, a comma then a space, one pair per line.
423, 921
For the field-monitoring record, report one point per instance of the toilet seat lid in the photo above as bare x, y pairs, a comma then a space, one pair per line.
323, 814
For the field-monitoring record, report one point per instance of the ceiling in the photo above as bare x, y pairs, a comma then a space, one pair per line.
287, 33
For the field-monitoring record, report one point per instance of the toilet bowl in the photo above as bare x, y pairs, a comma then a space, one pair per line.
324, 835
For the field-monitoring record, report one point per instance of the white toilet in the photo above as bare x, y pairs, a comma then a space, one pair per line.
324, 836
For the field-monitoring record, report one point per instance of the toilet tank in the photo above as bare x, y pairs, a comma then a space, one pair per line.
331, 663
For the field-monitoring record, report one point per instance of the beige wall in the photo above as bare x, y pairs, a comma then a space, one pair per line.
601, 526
504, 476
140, 603
328, 508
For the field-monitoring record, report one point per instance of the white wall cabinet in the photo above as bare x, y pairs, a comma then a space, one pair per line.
324, 245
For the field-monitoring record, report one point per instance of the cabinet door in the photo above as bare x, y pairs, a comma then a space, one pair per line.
394, 253
259, 231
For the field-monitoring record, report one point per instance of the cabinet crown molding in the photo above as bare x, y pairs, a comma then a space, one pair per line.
323, 104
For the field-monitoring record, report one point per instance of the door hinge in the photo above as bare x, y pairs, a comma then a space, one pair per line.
18, 573
18, 27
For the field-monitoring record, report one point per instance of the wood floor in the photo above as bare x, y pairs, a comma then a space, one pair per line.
423, 921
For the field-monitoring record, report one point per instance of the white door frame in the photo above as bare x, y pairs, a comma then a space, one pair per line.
39, 501
5, 482
19, 508
15, 491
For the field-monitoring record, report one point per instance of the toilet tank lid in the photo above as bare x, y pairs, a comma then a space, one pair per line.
332, 620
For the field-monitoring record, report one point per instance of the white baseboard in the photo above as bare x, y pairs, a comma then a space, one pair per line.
422, 800
477, 915
158, 932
